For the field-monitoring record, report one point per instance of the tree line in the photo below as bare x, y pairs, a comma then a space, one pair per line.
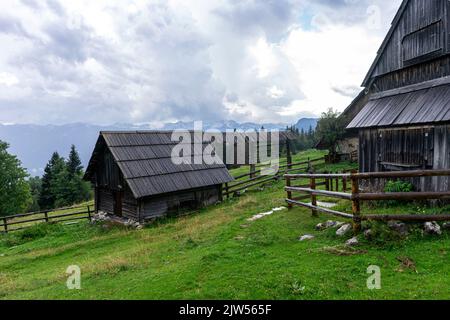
61, 185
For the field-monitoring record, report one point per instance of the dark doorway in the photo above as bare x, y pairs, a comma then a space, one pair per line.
118, 201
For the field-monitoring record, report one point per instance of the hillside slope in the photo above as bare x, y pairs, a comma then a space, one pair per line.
217, 253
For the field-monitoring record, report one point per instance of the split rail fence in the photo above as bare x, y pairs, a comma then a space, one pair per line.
23, 221
255, 177
351, 182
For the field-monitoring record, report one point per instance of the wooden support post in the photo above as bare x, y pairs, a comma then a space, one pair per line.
327, 182
46, 216
5, 221
289, 193
330, 181
356, 206
337, 184
227, 190
89, 213
288, 154
344, 184
252, 171
313, 197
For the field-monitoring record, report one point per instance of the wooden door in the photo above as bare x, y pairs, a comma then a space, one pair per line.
118, 203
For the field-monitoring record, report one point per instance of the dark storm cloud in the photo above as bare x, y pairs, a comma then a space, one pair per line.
156, 63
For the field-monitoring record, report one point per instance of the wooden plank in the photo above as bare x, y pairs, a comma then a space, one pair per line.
404, 196
318, 176
333, 194
320, 209
406, 217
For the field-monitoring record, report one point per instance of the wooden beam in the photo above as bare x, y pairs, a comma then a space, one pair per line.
333, 194
320, 209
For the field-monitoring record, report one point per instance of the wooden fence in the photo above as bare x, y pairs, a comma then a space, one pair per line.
23, 221
256, 178
311, 193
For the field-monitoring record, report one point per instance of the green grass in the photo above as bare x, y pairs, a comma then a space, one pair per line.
217, 254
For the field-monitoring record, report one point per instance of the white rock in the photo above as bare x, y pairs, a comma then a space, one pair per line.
432, 228
326, 225
306, 237
342, 231
352, 242
446, 225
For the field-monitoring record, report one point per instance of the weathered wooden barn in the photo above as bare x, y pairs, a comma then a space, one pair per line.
405, 125
134, 176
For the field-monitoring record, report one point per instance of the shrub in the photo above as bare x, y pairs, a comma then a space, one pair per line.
397, 186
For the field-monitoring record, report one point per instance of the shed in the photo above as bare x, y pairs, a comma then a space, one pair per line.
134, 176
405, 124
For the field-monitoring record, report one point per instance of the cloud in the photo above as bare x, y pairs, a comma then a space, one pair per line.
157, 61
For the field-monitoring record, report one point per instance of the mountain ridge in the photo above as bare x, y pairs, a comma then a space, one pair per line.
34, 144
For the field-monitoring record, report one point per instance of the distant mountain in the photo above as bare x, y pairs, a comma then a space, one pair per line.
34, 144
306, 123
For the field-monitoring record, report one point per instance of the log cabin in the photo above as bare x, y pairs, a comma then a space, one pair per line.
405, 124
134, 177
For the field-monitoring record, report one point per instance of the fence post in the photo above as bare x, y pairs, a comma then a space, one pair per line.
252, 171
5, 221
46, 216
288, 154
313, 197
289, 193
227, 190
337, 184
327, 182
356, 206
89, 213
344, 184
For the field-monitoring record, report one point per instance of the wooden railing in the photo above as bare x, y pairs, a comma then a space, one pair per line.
23, 221
356, 196
256, 178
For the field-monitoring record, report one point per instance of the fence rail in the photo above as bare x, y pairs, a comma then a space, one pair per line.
66, 214
356, 196
255, 178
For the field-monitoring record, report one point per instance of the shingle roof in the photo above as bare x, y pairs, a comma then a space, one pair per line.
144, 158
418, 104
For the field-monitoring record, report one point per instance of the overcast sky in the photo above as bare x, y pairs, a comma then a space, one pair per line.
139, 61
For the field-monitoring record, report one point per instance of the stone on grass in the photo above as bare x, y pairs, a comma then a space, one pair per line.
432, 228
342, 231
399, 227
352, 242
446, 226
328, 224
368, 234
306, 237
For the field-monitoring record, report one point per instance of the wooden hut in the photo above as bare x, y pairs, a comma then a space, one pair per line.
134, 176
405, 125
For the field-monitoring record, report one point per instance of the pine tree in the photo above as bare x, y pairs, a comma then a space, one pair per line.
52, 169
74, 166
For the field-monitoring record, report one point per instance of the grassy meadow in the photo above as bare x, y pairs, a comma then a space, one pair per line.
216, 253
